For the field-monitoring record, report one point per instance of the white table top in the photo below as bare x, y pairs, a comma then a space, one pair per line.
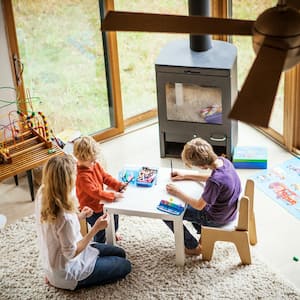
143, 201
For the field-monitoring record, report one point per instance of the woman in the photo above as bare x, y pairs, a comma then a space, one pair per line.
71, 261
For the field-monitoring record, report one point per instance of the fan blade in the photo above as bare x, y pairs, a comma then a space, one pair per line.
255, 100
132, 21
293, 3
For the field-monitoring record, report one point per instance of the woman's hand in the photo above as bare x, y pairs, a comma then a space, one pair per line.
86, 212
101, 223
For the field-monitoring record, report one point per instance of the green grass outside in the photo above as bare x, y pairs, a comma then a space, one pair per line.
61, 48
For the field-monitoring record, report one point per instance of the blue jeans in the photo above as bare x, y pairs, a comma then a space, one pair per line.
197, 218
111, 265
100, 236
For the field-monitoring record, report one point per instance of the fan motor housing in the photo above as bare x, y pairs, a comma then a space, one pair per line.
279, 27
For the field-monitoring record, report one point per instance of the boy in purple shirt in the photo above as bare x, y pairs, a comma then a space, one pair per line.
218, 203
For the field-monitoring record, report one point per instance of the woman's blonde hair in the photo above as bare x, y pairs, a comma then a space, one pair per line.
86, 148
198, 152
59, 175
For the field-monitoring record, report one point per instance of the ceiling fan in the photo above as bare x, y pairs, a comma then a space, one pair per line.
276, 42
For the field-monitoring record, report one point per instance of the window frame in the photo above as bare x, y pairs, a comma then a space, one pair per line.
220, 8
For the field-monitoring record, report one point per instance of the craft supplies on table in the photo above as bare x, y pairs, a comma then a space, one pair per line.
170, 207
139, 176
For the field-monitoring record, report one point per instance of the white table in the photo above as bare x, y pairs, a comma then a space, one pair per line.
142, 202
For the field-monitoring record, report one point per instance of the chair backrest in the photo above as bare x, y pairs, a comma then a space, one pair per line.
243, 221
246, 220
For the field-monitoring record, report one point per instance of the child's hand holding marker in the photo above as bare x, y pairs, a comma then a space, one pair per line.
125, 184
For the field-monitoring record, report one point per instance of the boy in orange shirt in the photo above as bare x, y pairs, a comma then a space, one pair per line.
90, 181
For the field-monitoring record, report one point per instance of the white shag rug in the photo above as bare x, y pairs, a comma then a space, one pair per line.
150, 248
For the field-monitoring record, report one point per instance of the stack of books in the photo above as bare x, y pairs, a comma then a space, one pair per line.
250, 157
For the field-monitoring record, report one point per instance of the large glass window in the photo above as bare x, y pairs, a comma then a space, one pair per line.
61, 48
137, 55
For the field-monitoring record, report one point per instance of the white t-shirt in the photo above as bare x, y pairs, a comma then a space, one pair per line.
57, 243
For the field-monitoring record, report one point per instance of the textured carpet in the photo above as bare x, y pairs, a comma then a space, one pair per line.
150, 247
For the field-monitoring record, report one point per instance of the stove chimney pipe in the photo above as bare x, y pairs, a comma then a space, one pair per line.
201, 8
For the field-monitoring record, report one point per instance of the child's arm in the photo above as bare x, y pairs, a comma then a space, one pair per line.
109, 180
198, 204
176, 176
93, 189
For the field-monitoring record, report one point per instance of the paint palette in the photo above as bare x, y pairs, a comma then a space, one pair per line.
170, 207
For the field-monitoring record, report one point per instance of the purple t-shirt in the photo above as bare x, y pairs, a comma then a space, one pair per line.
221, 193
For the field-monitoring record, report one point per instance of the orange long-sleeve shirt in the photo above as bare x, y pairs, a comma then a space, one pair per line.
90, 186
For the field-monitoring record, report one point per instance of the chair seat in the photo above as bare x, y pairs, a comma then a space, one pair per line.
230, 226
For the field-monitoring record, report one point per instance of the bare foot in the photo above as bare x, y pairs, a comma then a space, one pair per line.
193, 252
118, 237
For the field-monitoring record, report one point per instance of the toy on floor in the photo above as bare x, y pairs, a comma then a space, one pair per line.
170, 207
21, 131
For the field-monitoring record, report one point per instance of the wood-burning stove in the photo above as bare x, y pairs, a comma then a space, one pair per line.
195, 92
196, 85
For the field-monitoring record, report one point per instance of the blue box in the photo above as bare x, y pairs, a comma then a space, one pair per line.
250, 157
139, 176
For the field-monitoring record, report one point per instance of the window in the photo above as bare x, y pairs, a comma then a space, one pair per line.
93, 98
62, 53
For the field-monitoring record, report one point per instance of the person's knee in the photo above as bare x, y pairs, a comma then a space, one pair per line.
126, 267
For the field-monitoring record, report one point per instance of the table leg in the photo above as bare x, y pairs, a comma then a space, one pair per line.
16, 180
30, 182
110, 231
179, 242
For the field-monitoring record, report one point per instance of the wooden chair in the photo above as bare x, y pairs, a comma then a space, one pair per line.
243, 235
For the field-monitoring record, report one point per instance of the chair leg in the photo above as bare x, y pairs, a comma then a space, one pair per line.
207, 244
252, 230
243, 248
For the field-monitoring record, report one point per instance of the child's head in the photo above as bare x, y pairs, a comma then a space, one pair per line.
86, 149
198, 152
59, 176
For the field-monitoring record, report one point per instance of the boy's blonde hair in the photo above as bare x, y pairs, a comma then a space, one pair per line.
86, 148
198, 152
58, 180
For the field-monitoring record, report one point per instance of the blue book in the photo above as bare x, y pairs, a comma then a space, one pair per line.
250, 157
